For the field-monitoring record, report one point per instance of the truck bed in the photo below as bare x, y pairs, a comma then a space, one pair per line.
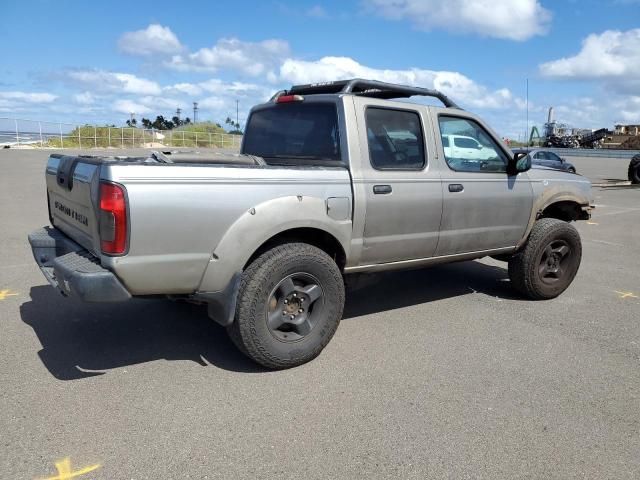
179, 212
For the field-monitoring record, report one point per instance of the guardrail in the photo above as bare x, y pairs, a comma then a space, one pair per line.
596, 152
21, 132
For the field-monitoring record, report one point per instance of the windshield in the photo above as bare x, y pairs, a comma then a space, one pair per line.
294, 134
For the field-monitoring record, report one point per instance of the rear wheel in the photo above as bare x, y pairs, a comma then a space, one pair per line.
634, 170
572, 170
289, 305
549, 261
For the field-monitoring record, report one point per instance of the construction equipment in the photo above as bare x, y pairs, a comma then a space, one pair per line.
560, 135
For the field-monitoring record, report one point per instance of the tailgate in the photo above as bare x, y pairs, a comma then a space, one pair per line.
72, 190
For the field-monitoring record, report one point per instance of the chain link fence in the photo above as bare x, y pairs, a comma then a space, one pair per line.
35, 133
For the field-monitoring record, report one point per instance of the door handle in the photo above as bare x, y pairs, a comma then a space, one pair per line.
382, 189
456, 187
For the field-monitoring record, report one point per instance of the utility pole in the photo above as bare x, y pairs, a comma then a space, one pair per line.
178, 112
132, 116
195, 112
237, 124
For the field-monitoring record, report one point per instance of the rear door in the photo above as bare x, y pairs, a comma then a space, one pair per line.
483, 207
72, 191
401, 187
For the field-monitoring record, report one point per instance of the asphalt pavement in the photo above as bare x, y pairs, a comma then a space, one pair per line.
437, 373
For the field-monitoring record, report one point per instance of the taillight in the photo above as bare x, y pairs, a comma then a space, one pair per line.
289, 98
113, 219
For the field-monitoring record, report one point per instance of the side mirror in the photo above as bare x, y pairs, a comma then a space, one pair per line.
521, 162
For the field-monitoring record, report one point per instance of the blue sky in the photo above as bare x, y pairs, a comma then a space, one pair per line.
84, 62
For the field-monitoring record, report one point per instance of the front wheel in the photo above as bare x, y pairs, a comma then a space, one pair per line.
289, 305
549, 261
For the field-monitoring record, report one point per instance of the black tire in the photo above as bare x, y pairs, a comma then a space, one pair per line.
572, 170
263, 296
634, 170
549, 261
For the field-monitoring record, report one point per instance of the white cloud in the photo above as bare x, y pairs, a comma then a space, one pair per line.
184, 88
86, 98
163, 103
589, 112
213, 103
456, 85
129, 106
216, 98
249, 58
155, 39
26, 97
509, 19
612, 56
101, 80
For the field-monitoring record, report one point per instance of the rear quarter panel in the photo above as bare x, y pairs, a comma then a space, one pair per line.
193, 226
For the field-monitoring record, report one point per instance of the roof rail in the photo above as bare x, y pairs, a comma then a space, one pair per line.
367, 88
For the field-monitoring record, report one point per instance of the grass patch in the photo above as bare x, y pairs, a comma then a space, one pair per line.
205, 135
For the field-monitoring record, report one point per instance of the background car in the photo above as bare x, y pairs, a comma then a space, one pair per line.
460, 146
546, 158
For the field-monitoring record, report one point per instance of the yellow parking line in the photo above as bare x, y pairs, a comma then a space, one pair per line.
6, 293
65, 472
626, 294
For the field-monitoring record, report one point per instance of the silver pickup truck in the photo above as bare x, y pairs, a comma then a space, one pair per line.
333, 179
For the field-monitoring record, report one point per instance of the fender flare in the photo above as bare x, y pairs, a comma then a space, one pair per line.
220, 280
542, 204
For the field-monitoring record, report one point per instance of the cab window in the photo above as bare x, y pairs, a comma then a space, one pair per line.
395, 139
473, 149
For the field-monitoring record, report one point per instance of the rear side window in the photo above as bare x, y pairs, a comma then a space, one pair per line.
395, 139
294, 133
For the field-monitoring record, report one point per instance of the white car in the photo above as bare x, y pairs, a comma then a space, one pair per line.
467, 148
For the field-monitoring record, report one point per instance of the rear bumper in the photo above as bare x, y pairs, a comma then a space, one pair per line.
72, 270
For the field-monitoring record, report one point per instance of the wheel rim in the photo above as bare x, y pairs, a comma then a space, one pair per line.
294, 307
555, 262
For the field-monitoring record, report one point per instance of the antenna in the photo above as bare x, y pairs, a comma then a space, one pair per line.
195, 112
527, 127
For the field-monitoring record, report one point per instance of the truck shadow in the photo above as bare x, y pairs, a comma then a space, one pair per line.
392, 290
81, 340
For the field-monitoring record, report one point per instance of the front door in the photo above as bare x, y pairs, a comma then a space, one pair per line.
402, 190
483, 207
